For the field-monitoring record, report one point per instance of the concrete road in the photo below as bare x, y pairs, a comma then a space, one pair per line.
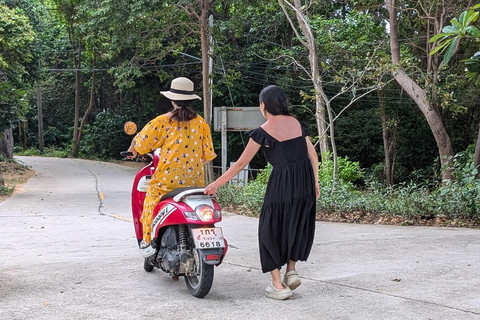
68, 251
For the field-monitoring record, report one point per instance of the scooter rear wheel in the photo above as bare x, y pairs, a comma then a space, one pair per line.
200, 283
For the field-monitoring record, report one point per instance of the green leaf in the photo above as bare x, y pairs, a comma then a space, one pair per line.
451, 29
455, 22
461, 19
449, 51
471, 17
438, 36
472, 30
441, 46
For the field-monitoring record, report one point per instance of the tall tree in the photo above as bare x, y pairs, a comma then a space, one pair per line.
419, 94
356, 80
17, 35
68, 12
448, 41
319, 93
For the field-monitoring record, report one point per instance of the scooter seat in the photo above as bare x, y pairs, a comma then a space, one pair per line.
193, 190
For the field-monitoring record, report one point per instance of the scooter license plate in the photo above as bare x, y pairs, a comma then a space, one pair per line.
205, 238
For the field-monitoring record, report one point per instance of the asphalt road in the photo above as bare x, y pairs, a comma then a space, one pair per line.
68, 251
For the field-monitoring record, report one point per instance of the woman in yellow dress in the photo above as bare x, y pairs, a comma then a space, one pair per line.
185, 146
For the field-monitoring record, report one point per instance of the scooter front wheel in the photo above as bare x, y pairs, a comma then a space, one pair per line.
147, 265
200, 281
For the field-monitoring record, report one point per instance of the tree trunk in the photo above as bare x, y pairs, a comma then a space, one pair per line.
204, 35
2, 181
40, 118
476, 157
383, 117
6, 143
77, 104
76, 144
6, 149
316, 79
419, 95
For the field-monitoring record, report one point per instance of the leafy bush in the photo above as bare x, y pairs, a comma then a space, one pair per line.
104, 139
461, 197
457, 199
247, 199
348, 171
48, 152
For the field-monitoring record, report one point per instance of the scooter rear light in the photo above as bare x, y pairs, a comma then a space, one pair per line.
190, 215
213, 257
205, 213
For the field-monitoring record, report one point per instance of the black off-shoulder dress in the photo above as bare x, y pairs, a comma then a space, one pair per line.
287, 220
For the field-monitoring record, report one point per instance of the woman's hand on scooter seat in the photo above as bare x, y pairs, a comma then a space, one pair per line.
212, 188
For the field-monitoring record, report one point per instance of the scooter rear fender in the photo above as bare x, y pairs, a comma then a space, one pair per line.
213, 256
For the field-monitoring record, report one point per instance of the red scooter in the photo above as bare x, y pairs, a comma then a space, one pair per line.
184, 236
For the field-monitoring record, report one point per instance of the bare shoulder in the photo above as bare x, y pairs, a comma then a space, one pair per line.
283, 127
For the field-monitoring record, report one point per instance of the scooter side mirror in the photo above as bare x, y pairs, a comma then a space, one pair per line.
130, 128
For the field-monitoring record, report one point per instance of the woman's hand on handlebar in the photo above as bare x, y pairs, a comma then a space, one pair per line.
133, 154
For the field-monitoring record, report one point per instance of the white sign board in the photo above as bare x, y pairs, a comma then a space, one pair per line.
235, 119
238, 118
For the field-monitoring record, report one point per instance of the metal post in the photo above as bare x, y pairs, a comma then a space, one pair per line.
224, 139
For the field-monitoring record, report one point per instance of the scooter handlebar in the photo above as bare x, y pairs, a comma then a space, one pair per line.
126, 154
140, 158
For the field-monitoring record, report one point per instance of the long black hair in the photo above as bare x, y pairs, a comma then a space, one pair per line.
184, 112
275, 100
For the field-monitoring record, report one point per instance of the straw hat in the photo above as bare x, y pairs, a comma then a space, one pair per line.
181, 89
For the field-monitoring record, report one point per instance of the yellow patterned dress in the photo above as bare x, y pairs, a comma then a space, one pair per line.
184, 148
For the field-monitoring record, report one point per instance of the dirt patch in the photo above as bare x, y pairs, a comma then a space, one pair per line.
386, 219
15, 176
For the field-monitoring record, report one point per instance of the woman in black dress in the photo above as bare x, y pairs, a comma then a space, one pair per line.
287, 220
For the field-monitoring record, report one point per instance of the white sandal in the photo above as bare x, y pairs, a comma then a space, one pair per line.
274, 293
292, 280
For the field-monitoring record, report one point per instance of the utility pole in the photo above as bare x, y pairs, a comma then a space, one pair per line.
40, 118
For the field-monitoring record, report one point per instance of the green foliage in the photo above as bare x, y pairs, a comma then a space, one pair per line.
410, 201
461, 197
13, 106
105, 139
348, 171
460, 28
16, 34
6, 191
247, 199
473, 68
48, 152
